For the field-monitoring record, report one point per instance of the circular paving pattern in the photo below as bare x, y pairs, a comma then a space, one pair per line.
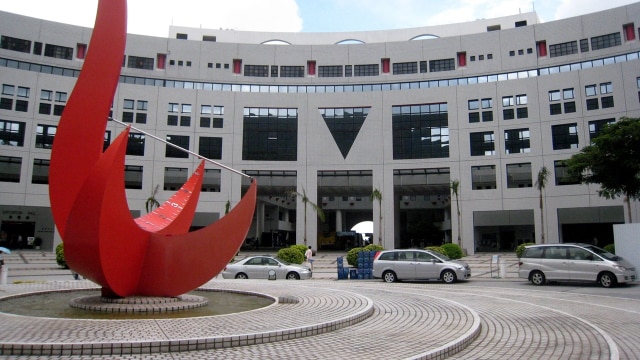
325, 319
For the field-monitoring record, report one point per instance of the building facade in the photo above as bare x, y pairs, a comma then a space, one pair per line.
339, 116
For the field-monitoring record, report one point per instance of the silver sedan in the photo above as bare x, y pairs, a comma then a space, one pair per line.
266, 267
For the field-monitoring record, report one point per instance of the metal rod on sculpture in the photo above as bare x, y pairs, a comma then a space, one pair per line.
180, 148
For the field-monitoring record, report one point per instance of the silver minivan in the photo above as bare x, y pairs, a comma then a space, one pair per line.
574, 262
413, 264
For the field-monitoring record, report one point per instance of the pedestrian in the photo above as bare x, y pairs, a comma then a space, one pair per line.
309, 256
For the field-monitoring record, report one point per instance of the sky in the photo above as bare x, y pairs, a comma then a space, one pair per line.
153, 17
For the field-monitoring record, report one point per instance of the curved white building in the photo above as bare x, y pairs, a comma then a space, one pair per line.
337, 116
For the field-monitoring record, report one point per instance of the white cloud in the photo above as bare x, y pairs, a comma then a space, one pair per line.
153, 17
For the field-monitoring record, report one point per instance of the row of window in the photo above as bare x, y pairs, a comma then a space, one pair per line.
134, 80
483, 177
174, 178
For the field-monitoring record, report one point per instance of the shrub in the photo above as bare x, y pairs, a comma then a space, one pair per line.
373, 247
60, 256
610, 248
299, 247
520, 248
291, 255
352, 256
437, 249
453, 251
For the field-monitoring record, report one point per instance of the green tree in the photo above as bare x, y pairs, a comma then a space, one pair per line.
152, 202
305, 202
541, 183
377, 195
612, 160
455, 189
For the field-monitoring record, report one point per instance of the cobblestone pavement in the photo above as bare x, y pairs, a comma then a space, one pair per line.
481, 318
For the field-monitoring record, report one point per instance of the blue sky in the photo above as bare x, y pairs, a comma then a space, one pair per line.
153, 17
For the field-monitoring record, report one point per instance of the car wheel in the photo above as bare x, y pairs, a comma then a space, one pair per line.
293, 276
389, 276
449, 277
607, 280
537, 278
241, 276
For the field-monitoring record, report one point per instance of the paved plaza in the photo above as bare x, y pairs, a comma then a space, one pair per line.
487, 317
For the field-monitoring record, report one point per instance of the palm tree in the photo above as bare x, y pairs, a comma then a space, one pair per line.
455, 188
306, 201
377, 195
541, 183
152, 202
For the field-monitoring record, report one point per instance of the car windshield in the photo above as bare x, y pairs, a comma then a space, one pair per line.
604, 253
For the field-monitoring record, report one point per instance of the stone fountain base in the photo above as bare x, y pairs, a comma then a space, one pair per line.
138, 304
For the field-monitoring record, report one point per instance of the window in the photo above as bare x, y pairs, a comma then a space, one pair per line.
606, 101
174, 178
59, 52
554, 95
405, 68
420, 131
569, 107
135, 145
606, 88
592, 104
179, 140
10, 169
474, 117
329, 71
46, 95
605, 41
482, 143
137, 62
186, 108
562, 174
211, 180
568, 94
127, 116
6, 103
508, 114
173, 108
473, 105
133, 177
40, 173
12, 133
517, 141
15, 44
44, 109
519, 175
487, 103
584, 45
294, 71
8, 89
128, 104
521, 99
590, 90
270, 134
61, 97
205, 109
442, 65
563, 49
185, 121
596, 126
487, 116
256, 70
172, 120
555, 109
522, 113
210, 147
344, 125
507, 101
45, 135
564, 136
483, 177
367, 70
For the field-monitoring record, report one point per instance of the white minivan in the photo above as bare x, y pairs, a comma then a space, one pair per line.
414, 264
574, 262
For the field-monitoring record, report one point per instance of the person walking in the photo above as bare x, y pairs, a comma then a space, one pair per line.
309, 256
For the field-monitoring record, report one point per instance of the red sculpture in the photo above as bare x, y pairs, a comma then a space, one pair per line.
153, 255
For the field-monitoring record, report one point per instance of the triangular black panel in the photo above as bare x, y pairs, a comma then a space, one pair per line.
344, 125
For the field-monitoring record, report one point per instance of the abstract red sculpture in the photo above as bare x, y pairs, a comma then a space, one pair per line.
153, 255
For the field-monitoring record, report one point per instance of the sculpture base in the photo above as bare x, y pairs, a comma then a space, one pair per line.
138, 304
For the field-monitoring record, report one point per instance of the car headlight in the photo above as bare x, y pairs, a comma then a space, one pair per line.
620, 267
